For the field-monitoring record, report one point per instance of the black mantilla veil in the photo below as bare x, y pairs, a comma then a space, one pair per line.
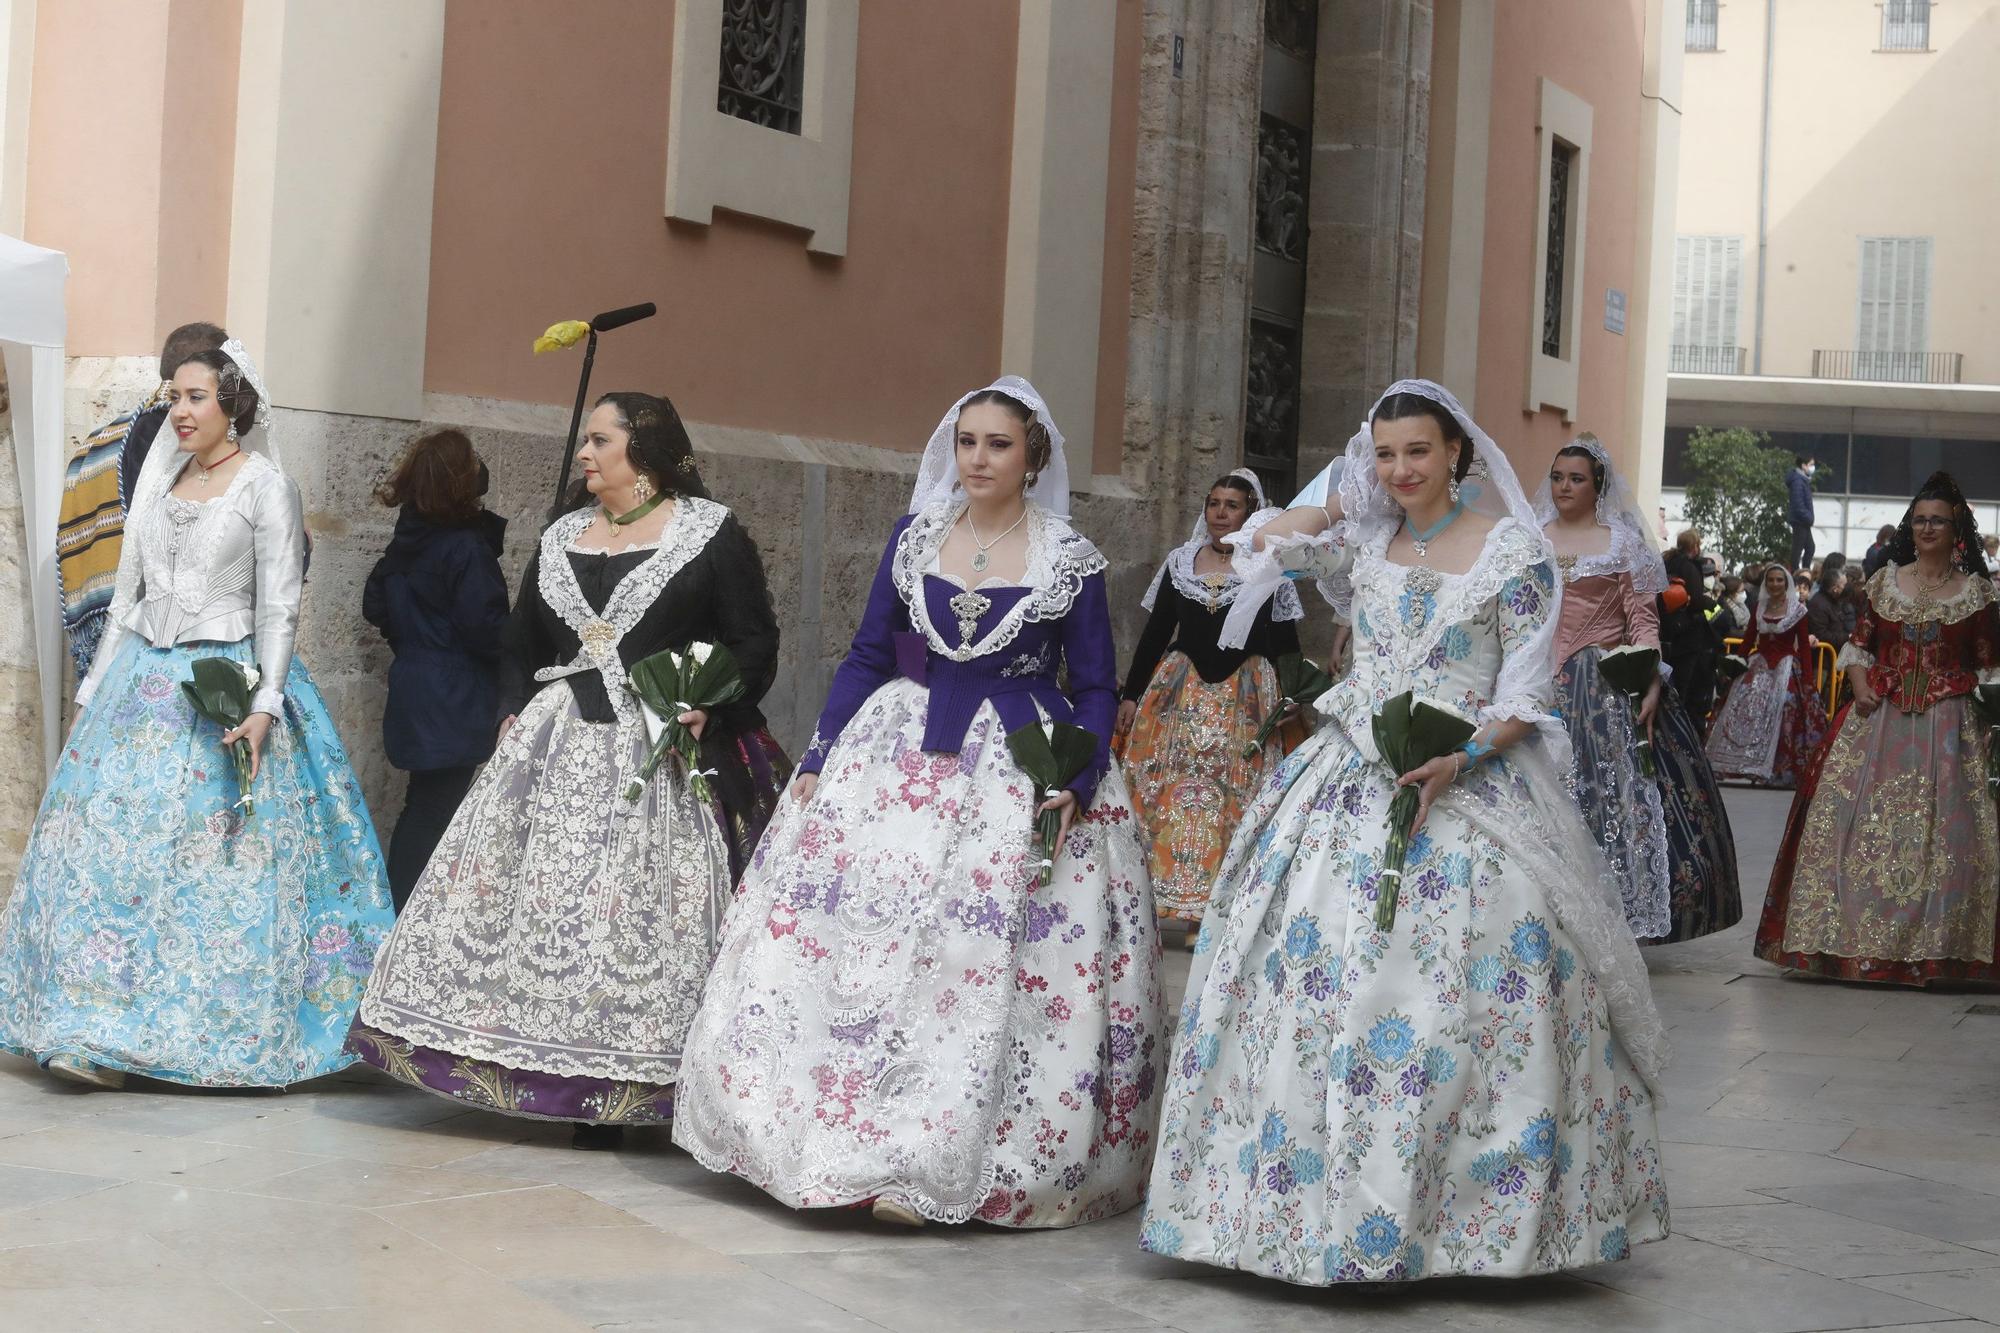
1966, 552
660, 447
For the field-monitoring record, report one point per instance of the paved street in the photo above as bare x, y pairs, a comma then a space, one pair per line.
1833, 1157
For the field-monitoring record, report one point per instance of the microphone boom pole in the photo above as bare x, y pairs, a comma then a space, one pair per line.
610, 319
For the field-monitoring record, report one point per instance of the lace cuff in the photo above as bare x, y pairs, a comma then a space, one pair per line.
1294, 556
1851, 656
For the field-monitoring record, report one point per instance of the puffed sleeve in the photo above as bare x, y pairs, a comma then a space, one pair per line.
1154, 640
739, 604
526, 646
1526, 623
1984, 644
870, 660
1091, 665
1859, 650
278, 536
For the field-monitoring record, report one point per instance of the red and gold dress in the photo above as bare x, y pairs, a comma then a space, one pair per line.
1890, 866
1771, 723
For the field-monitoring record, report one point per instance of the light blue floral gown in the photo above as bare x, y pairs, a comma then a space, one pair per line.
1457, 1094
157, 926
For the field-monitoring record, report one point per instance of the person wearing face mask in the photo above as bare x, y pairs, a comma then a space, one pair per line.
1799, 509
1771, 722
1470, 1085
1889, 868
1192, 708
1666, 834
552, 955
166, 923
910, 1010
440, 599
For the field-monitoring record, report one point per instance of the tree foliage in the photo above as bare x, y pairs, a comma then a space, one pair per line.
1736, 497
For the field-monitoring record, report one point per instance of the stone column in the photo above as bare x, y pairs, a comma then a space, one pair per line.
1370, 137
1192, 229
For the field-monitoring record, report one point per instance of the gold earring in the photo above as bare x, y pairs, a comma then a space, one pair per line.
642, 489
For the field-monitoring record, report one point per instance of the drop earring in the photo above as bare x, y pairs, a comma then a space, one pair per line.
232, 432
642, 489
1452, 489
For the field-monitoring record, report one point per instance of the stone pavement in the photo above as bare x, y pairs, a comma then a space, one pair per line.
1833, 1158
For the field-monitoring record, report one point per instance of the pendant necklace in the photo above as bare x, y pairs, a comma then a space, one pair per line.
202, 470
1422, 538
979, 560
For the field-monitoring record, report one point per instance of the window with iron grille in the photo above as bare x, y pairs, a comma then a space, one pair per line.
1893, 331
1906, 25
1703, 19
763, 63
1555, 289
1708, 300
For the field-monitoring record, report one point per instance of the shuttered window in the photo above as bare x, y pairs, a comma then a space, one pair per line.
1708, 300
1895, 295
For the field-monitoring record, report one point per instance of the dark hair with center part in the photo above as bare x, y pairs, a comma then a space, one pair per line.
658, 446
233, 393
1967, 552
185, 341
1040, 447
440, 477
1403, 406
1596, 467
1236, 483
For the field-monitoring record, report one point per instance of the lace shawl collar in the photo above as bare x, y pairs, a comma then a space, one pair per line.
1625, 555
1179, 566
693, 526
1890, 602
1059, 559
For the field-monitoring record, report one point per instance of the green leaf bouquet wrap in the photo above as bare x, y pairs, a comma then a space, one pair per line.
1986, 704
1409, 733
1052, 754
1631, 671
701, 677
221, 691
1300, 681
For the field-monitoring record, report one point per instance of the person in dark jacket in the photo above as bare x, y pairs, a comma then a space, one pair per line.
1690, 639
1826, 613
1879, 552
1799, 509
441, 600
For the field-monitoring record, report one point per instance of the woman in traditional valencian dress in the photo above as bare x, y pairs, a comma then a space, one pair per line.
1192, 708
551, 958
902, 1011
1771, 723
162, 925
1890, 865
1666, 835
1471, 1090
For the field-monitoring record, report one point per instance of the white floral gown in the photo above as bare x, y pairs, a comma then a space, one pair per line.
1454, 1095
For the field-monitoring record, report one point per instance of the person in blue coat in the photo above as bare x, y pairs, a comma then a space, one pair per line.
439, 597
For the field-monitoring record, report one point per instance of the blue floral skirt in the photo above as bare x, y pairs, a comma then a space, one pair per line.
159, 928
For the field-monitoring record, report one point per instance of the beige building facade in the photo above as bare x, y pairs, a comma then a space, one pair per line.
1210, 231
1835, 280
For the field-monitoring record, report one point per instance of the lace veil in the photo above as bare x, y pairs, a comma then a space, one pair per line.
1789, 612
1179, 564
937, 475
1632, 549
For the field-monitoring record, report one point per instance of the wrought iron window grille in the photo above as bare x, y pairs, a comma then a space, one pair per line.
763, 63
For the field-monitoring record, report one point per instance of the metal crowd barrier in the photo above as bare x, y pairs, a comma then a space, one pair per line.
1826, 680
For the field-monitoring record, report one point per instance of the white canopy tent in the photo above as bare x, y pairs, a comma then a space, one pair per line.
33, 328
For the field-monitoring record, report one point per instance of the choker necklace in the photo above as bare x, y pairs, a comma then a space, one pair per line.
635, 514
1421, 538
202, 471
979, 560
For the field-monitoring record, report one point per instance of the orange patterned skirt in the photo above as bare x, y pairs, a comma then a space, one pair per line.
1184, 761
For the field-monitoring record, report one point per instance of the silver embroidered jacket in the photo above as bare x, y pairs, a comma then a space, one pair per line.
218, 572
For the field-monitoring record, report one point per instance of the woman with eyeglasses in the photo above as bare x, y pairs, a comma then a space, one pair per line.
1890, 866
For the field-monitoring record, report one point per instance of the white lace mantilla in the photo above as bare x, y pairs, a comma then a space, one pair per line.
1059, 559
1203, 591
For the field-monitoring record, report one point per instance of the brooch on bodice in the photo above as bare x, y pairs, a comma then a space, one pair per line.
1567, 565
1421, 589
968, 607
599, 638
1215, 583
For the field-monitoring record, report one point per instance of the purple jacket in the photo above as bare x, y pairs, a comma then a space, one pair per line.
1023, 636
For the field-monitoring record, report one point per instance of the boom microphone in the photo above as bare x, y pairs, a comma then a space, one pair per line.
618, 319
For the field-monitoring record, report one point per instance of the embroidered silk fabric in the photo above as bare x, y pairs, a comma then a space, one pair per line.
1704, 891
559, 929
1771, 723
1190, 781
1890, 865
1621, 805
1458, 1094
155, 928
